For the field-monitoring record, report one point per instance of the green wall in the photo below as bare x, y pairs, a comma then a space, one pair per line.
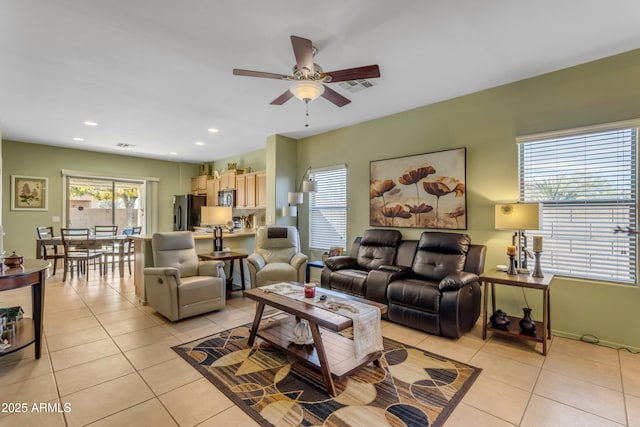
20, 158
256, 160
487, 123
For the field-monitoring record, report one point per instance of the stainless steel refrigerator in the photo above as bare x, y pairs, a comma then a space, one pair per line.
186, 211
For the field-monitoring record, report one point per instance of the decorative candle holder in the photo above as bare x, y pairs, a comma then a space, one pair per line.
537, 271
512, 265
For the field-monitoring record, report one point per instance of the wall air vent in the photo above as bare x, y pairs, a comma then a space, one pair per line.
354, 86
125, 146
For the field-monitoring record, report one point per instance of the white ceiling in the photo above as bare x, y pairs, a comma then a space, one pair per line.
157, 73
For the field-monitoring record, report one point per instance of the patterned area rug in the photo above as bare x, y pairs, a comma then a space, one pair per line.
413, 388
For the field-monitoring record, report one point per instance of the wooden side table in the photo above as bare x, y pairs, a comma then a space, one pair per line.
31, 273
231, 257
491, 278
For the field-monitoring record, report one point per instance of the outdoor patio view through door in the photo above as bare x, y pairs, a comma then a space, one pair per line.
104, 201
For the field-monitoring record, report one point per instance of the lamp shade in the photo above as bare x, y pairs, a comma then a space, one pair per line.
309, 186
289, 211
306, 90
295, 198
518, 216
215, 215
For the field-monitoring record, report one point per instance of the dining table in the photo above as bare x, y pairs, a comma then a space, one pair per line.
117, 240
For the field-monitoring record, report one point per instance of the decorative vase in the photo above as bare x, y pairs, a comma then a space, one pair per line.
527, 325
499, 319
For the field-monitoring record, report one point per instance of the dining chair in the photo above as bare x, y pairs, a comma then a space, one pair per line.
110, 248
49, 252
128, 249
78, 251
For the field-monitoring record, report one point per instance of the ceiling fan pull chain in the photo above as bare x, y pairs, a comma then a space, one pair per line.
306, 107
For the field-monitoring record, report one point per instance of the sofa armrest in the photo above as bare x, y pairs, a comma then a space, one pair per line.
163, 271
341, 262
256, 261
211, 268
378, 281
298, 259
457, 280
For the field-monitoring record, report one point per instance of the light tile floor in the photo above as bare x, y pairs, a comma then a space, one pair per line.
108, 361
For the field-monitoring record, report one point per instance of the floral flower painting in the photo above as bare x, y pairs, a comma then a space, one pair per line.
422, 191
28, 193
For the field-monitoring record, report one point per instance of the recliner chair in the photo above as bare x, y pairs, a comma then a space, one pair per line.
350, 274
180, 285
277, 257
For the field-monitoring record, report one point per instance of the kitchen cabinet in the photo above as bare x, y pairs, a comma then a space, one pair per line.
213, 186
242, 191
261, 190
199, 184
228, 179
251, 190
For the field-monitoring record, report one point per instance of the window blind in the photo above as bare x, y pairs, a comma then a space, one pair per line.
328, 208
587, 185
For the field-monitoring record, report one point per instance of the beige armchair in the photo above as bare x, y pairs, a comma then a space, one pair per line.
180, 285
276, 257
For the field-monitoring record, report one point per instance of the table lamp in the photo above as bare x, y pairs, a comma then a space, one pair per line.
518, 217
216, 217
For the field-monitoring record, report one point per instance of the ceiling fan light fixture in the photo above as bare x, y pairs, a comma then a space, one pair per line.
306, 90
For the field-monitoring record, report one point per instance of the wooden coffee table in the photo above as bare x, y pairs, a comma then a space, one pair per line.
332, 353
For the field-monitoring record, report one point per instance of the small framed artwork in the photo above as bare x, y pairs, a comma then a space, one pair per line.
29, 193
335, 251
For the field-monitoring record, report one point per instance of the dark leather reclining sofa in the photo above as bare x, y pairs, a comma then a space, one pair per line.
429, 284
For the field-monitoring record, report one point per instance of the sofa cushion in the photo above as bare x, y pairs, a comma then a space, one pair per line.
378, 247
350, 281
415, 293
439, 254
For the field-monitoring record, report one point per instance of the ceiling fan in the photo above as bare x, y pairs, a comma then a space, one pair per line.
308, 79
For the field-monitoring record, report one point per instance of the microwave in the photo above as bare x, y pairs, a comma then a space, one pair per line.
227, 198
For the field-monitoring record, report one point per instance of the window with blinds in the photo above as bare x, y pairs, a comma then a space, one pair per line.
328, 208
586, 182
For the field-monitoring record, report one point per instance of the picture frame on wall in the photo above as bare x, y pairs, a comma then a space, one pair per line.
29, 193
420, 191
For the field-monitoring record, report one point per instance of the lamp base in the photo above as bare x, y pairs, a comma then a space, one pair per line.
217, 239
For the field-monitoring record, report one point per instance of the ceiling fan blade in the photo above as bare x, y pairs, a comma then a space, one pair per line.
366, 72
303, 50
333, 96
249, 73
282, 98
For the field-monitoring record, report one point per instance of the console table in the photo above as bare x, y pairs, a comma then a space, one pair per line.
31, 273
492, 278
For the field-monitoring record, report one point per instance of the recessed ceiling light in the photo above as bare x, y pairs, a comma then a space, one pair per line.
173, 153
213, 130
78, 139
90, 123
199, 143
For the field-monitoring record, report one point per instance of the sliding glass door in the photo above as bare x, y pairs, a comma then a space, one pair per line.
103, 201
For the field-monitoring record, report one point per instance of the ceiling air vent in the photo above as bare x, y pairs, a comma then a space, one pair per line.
125, 146
354, 86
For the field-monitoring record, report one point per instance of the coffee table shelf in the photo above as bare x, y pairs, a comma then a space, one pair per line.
330, 352
340, 350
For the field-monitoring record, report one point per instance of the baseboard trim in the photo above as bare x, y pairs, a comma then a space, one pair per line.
613, 345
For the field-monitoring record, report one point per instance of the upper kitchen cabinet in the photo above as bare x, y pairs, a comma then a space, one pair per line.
199, 184
228, 179
251, 190
213, 186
